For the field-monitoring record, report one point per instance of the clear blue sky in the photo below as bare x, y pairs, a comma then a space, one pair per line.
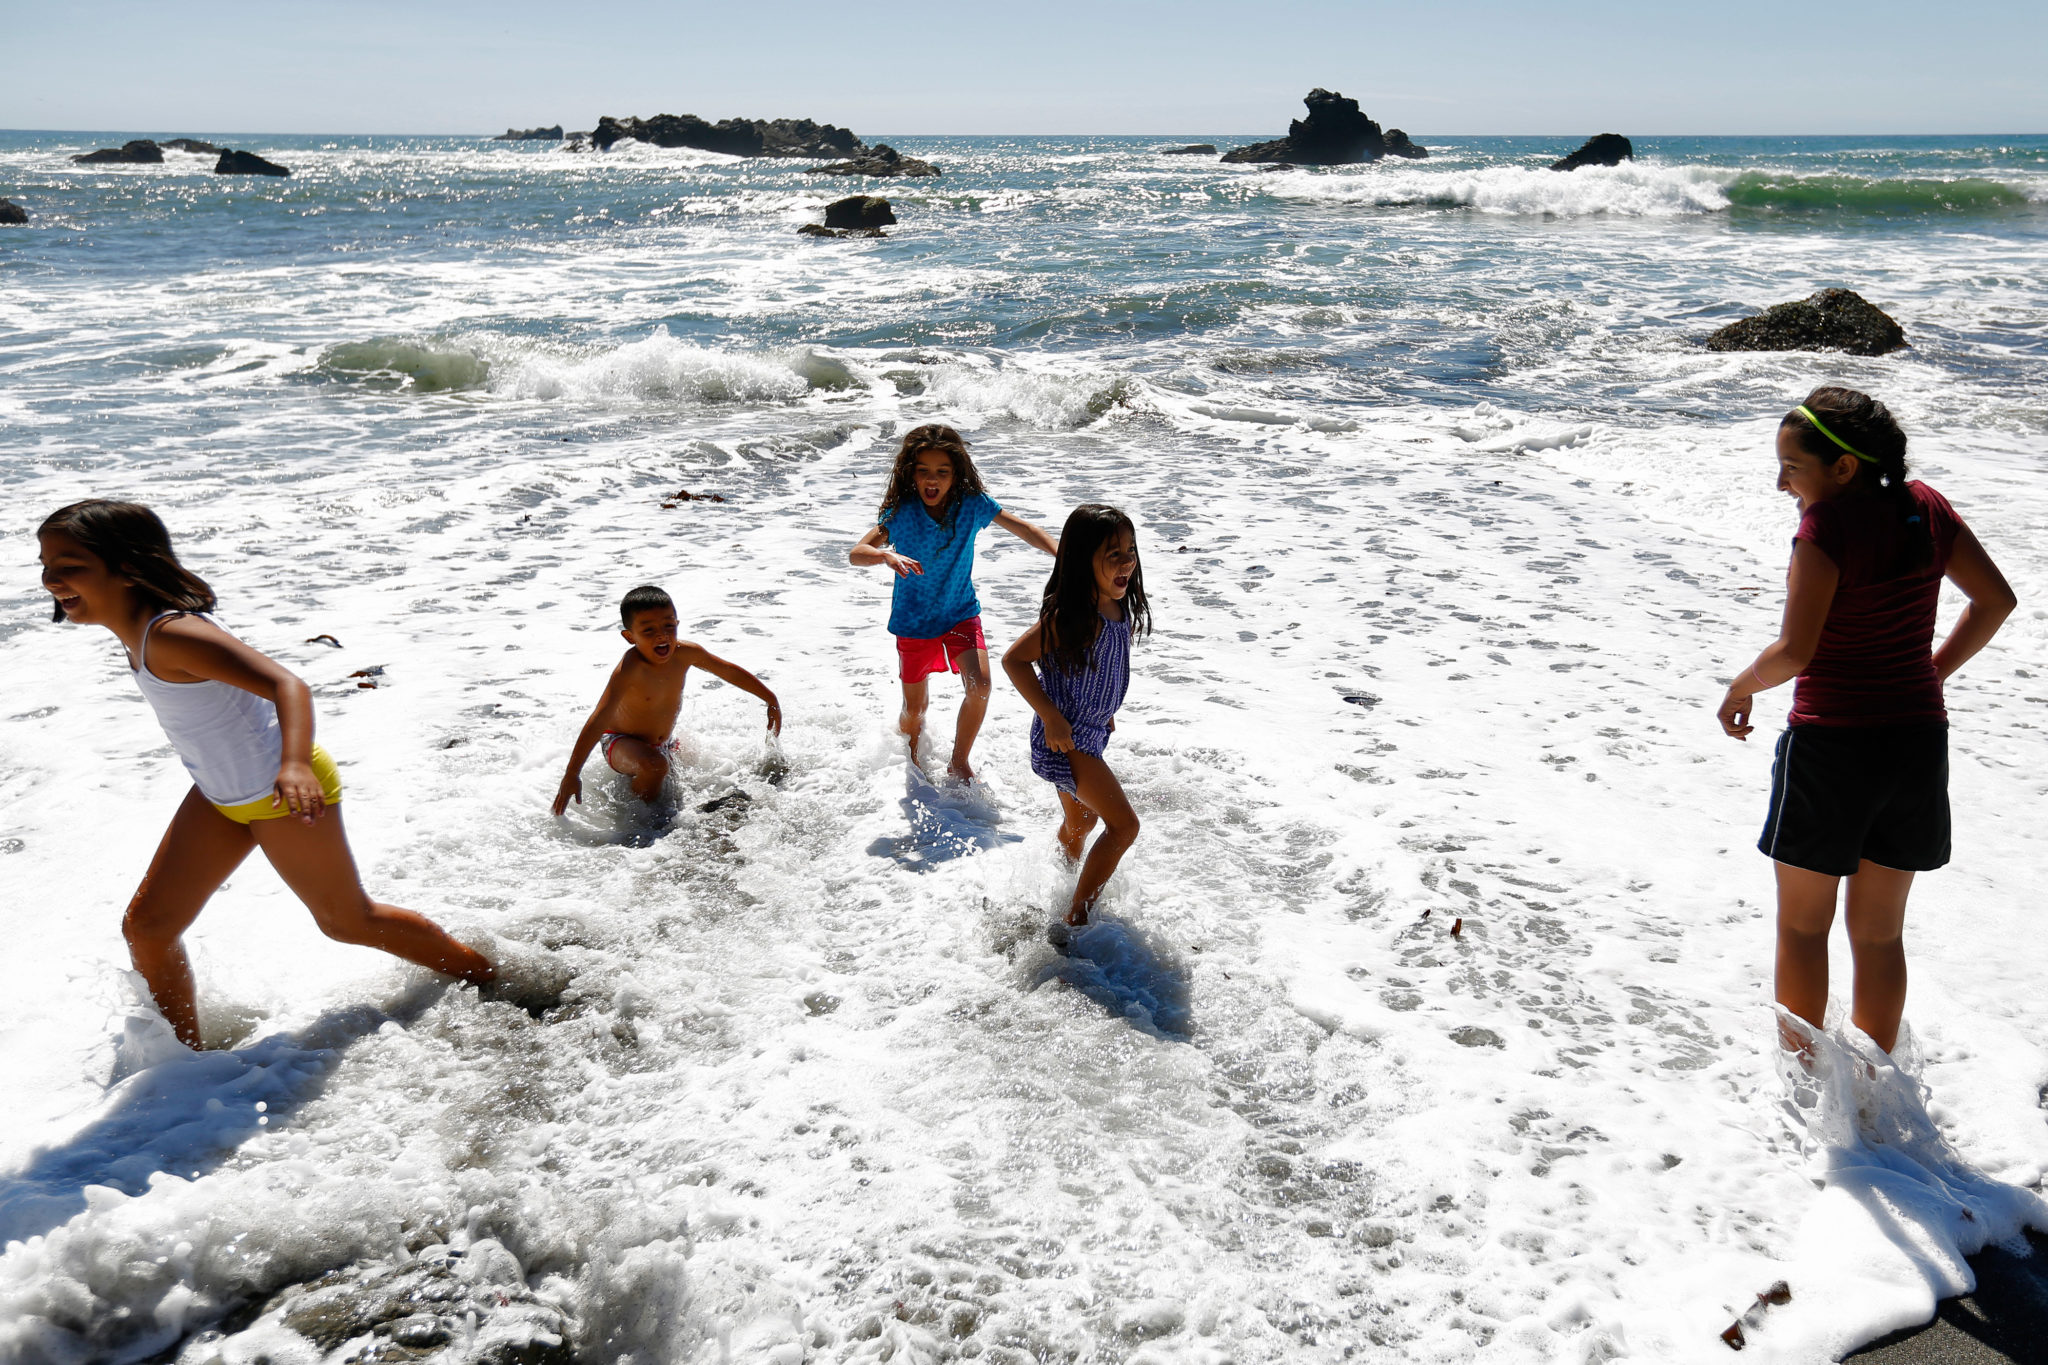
1112, 66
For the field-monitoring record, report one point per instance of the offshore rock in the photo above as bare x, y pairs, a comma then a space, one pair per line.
1399, 145
881, 160
1603, 149
193, 144
12, 214
733, 136
553, 134
1335, 133
137, 152
859, 211
247, 163
1192, 149
1832, 320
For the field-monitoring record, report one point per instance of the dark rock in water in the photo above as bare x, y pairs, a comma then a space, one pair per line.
859, 211
882, 160
732, 136
1604, 149
247, 163
193, 144
1399, 145
12, 214
404, 1313
1335, 133
1192, 149
553, 134
138, 152
1832, 320
815, 230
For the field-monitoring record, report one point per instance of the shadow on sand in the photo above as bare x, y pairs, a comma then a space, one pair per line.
174, 1110
945, 823
1128, 975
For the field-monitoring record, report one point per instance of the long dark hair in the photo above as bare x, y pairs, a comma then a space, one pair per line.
1067, 619
135, 544
1869, 426
902, 476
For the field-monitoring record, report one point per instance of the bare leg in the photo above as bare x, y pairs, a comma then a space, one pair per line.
1101, 793
1806, 911
973, 707
645, 766
1075, 823
315, 863
199, 851
911, 722
1876, 913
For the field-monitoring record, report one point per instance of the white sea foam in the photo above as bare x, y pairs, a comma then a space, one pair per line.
1634, 189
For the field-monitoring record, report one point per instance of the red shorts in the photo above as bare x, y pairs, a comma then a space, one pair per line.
922, 658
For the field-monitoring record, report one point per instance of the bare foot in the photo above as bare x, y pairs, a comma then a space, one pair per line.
958, 768
1078, 916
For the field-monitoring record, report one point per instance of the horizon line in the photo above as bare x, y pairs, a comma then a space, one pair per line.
493, 137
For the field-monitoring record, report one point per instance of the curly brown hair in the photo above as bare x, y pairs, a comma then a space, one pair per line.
902, 476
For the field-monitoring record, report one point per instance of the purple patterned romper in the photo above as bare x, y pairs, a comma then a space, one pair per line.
1088, 699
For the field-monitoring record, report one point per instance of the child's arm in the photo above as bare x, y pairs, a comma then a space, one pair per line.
1017, 660
1991, 601
1027, 532
586, 740
696, 656
1809, 592
201, 651
870, 550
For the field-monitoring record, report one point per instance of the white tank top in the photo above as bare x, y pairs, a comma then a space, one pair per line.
228, 738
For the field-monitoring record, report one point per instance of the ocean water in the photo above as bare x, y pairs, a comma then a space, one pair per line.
1427, 1021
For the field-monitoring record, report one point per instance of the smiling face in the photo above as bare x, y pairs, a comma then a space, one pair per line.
932, 472
89, 593
653, 634
1116, 559
1806, 477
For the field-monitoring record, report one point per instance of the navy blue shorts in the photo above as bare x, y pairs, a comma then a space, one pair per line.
1840, 794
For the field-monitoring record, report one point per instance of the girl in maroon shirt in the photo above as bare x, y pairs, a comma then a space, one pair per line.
1860, 785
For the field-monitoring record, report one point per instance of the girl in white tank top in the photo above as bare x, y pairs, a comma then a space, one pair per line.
243, 725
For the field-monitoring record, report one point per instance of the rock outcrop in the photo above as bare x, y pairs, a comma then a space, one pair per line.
247, 163
194, 145
1192, 149
1399, 145
12, 214
882, 160
136, 152
553, 134
857, 215
1832, 320
1335, 133
732, 136
1603, 149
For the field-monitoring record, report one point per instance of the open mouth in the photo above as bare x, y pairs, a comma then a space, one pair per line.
70, 604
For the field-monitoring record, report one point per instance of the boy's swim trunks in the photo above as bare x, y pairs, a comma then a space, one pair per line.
668, 748
941, 654
262, 809
1840, 794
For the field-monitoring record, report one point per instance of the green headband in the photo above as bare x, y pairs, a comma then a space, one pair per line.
1807, 413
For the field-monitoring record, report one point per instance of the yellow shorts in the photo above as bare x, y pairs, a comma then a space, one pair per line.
262, 809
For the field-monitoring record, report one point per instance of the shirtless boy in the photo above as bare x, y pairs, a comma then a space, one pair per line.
635, 719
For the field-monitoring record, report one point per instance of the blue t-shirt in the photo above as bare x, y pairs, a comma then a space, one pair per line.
932, 603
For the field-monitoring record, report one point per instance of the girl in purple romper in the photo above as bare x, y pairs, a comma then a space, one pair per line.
1073, 667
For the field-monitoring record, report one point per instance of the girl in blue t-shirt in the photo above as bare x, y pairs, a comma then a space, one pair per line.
933, 510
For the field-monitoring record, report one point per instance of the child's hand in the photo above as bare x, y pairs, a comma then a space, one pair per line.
572, 785
1059, 735
1735, 712
904, 565
298, 791
774, 718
